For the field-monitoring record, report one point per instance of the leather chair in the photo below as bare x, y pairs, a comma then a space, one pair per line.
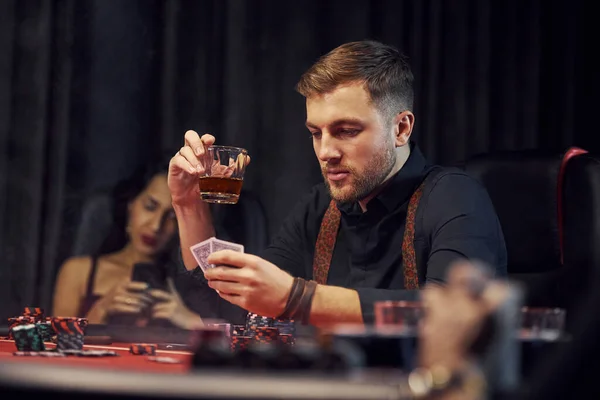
527, 192
94, 224
581, 237
244, 222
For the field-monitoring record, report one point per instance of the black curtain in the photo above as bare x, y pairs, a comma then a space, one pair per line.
91, 88
35, 84
490, 75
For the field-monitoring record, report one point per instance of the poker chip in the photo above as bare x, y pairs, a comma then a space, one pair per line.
239, 343
238, 330
265, 334
17, 321
69, 332
27, 338
142, 349
255, 320
285, 326
89, 353
50, 353
68, 325
83, 323
36, 312
69, 341
46, 353
286, 339
45, 329
165, 360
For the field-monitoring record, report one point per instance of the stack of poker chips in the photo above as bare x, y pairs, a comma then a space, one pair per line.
143, 349
265, 334
285, 326
36, 312
13, 322
241, 342
42, 322
70, 332
254, 320
260, 330
45, 329
28, 338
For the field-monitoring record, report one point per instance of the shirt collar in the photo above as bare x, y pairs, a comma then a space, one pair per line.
400, 186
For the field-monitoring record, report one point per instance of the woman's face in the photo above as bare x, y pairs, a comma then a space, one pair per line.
152, 221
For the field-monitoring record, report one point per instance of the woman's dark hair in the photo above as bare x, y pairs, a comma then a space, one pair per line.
122, 194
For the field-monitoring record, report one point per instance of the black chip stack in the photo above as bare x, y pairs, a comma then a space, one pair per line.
70, 332
17, 321
28, 338
45, 329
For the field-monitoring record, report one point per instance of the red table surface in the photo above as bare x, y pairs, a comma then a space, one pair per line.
124, 361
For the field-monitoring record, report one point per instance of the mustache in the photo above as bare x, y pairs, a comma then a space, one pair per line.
337, 167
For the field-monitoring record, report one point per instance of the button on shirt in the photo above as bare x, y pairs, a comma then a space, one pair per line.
455, 220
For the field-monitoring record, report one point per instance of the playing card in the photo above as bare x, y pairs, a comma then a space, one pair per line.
218, 245
201, 251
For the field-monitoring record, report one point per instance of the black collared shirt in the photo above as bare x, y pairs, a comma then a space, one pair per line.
455, 219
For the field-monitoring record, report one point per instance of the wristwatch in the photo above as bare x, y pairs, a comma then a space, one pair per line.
425, 383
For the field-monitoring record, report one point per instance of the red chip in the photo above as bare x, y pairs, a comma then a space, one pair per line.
286, 338
266, 334
143, 349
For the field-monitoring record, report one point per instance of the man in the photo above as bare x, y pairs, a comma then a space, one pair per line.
395, 223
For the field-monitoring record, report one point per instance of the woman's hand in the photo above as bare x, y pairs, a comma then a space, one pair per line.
124, 298
169, 306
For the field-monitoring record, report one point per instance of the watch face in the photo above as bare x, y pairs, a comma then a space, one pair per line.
420, 382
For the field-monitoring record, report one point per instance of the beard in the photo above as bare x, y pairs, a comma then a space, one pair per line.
357, 185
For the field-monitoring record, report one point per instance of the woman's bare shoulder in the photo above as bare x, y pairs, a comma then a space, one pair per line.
77, 266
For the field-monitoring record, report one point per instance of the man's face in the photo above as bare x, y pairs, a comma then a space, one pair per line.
354, 144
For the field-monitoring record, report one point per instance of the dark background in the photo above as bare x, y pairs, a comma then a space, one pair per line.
91, 88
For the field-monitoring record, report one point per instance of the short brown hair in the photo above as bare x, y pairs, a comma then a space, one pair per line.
383, 69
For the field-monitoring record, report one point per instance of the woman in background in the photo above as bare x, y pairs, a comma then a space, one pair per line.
99, 286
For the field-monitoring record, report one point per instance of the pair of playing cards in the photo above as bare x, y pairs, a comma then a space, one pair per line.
202, 250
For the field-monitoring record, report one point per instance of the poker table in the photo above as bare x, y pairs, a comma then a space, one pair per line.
132, 377
174, 361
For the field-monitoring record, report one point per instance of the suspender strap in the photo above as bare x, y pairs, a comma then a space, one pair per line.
409, 259
326, 243
329, 231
